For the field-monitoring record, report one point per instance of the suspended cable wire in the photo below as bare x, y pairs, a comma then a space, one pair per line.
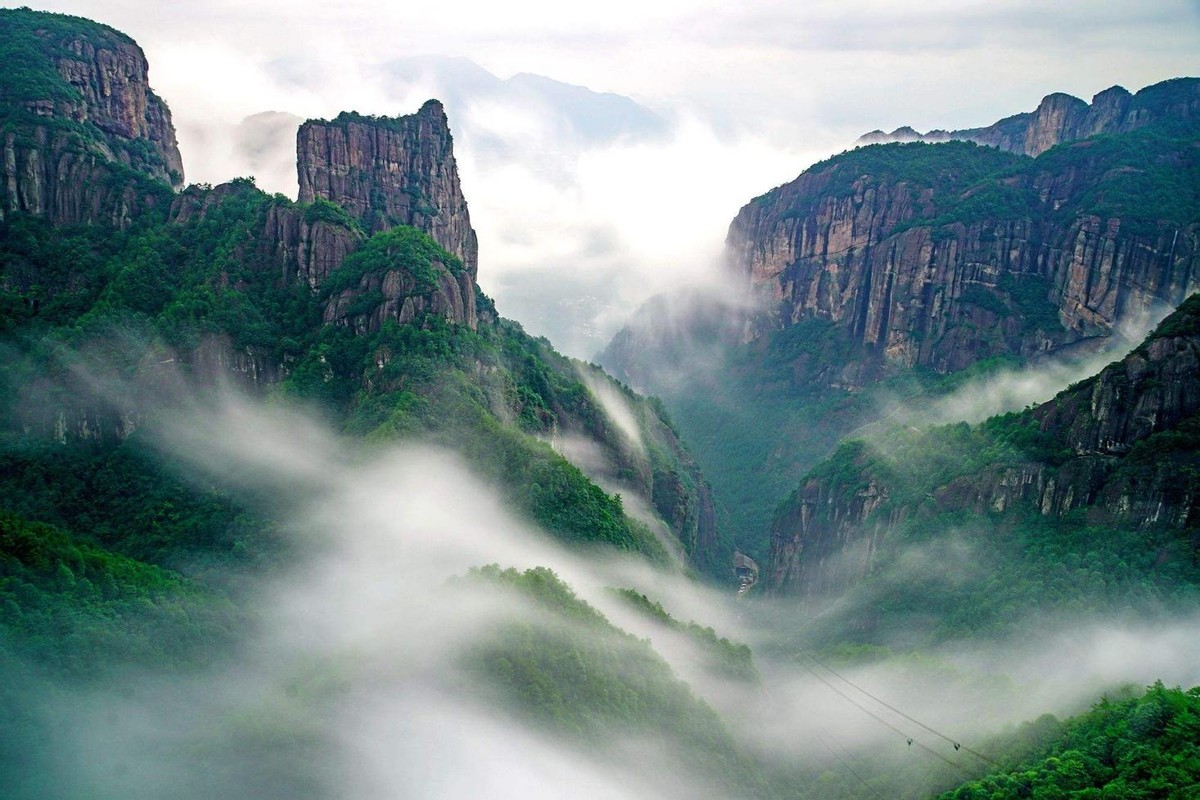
908, 737
957, 745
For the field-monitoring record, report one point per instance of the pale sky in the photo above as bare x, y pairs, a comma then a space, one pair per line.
575, 234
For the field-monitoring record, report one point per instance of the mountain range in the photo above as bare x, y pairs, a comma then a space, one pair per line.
260, 461
892, 271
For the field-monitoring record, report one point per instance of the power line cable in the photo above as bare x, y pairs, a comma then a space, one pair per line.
957, 745
909, 738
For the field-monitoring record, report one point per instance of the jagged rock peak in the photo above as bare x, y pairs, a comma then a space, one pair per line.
73, 69
1064, 118
388, 171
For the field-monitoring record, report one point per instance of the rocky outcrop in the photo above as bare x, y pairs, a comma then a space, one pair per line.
44, 172
397, 295
1155, 388
827, 536
1062, 118
306, 244
390, 171
399, 275
83, 128
1121, 447
910, 270
309, 247
1152, 394
111, 77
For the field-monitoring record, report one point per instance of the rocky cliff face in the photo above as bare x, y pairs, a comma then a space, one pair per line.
397, 295
922, 268
82, 127
305, 245
1120, 447
825, 537
44, 172
1062, 118
891, 260
228, 284
112, 80
390, 171
387, 172
1151, 398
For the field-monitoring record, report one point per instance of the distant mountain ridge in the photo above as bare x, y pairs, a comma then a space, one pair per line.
1063, 118
575, 111
943, 255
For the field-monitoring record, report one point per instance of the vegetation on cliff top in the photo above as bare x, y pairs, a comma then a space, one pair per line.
30, 44
402, 248
952, 179
1146, 178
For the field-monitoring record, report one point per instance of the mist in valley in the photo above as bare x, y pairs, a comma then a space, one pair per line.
358, 674
215, 589
1004, 389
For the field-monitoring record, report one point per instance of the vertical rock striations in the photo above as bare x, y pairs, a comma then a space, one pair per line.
943, 255
390, 171
82, 132
111, 78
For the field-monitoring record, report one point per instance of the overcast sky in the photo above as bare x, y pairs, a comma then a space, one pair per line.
573, 234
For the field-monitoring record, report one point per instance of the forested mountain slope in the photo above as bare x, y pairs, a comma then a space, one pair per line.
888, 272
1088, 501
129, 298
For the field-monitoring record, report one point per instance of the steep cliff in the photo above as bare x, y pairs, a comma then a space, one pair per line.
388, 171
942, 255
883, 273
81, 127
302, 244
1062, 118
1118, 450
361, 311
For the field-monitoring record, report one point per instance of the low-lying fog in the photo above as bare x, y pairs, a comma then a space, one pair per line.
356, 653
